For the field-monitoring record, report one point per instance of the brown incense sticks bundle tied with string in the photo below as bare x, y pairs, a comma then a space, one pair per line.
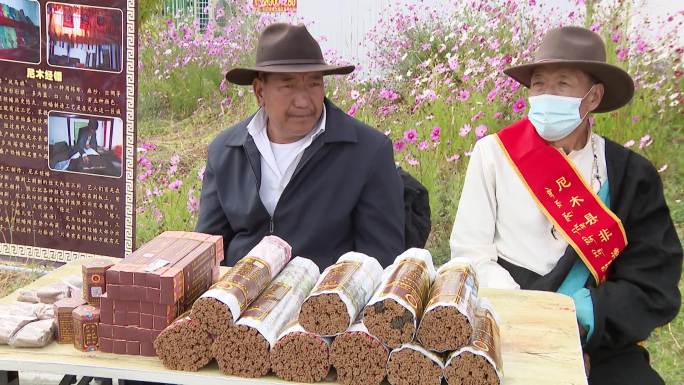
412, 364
480, 362
184, 345
359, 357
393, 313
340, 294
218, 308
447, 323
300, 356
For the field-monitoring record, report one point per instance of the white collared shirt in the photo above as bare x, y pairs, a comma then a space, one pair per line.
498, 218
278, 161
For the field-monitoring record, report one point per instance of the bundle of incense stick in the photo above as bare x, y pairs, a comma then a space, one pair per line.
244, 349
392, 314
218, 308
184, 345
359, 357
480, 362
449, 317
340, 294
300, 356
411, 364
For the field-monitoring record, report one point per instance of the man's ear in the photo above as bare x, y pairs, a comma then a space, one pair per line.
596, 96
258, 88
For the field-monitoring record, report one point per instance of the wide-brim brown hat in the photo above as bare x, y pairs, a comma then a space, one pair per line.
585, 50
286, 48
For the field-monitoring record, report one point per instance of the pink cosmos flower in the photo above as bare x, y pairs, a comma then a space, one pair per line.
645, 141
453, 158
175, 185
435, 133
622, 53
399, 145
616, 36
388, 95
464, 130
200, 173
424, 145
193, 202
411, 135
453, 63
519, 105
480, 131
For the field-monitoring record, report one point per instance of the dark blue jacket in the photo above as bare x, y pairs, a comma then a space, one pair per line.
345, 195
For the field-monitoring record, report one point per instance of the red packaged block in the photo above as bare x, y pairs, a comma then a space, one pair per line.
120, 318
119, 347
65, 323
106, 345
147, 349
105, 331
190, 277
132, 319
86, 319
94, 279
146, 321
133, 348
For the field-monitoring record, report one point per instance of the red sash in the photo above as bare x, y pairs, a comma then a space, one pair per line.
564, 197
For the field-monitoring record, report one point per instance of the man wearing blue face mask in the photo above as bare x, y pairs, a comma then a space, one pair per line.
549, 205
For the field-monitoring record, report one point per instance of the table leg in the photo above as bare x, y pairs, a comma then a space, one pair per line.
9, 378
68, 379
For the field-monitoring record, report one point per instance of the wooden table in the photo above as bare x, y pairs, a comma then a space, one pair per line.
539, 335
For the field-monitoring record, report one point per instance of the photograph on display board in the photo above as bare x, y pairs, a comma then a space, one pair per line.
84, 37
85, 144
20, 31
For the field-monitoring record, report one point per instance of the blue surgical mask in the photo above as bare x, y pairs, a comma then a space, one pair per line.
555, 117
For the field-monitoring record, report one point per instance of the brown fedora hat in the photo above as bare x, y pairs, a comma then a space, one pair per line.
583, 49
286, 48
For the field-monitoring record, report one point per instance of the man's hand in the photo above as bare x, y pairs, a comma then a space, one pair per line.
587, 363
582, 331
85, 159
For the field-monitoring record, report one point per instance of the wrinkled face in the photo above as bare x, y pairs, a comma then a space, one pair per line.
561, 80
292, 101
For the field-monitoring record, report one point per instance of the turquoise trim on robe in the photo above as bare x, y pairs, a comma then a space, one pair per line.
573, 285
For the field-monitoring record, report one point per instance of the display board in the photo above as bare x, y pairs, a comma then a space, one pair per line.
67, 128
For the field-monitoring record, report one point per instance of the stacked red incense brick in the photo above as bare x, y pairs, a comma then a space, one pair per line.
150, 288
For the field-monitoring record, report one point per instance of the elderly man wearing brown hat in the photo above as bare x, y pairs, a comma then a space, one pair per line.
548, 204
301, 168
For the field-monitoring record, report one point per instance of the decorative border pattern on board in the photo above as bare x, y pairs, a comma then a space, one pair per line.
33, 252
131, 64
